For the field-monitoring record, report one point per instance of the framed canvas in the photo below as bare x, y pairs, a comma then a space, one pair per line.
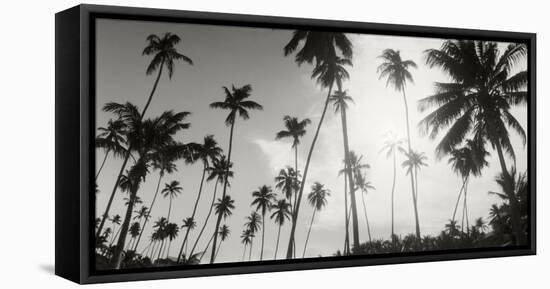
194, 144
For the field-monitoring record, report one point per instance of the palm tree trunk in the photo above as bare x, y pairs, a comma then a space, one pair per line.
218, 250
160, 250
117, 258
346, 219
514, 203
102, 164
392, 194
169, 210
194, 211
466, 209
289, 252
263, 235
206, 220
244, 251
218, 221
205, 249
128, 153
366, 217
277, 244
355, 223
250, 252
417, 223
115, 235
150, 209
309, 231
464, 179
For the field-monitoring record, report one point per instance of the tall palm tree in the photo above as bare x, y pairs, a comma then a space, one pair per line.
253, 225
217, 172
114, 222
391, 146
323, 49
134, 231
148, 138
171, 190
295, 129
222, 208
340, 100
396, 71
281, 213
207, 152
160, 233
246, 239
111, 139
484, 87
318, 200
163, 162
165, 54
263, 200
414, 162
224, 234
237, 103
287, 181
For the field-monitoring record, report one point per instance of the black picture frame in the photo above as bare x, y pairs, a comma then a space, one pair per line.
74, 122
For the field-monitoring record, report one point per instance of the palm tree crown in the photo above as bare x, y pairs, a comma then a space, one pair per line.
318, 196
236, 102
395, 69
164, 52
295, 129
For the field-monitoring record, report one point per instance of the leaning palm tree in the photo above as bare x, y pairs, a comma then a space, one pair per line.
111, 139
171, 190
484, 87
253, 225
396, 70
392, 146
263, 199
295, 129
189, 224
217, 172
134, 231
340, 100
207, 152
114, 222
165, 54
150, 137
237, 103
160, 234
364, 185
467, 161
318, 200
281, 213
222, 208
224, 234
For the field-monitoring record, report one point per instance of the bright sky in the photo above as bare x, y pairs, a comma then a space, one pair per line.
224, 56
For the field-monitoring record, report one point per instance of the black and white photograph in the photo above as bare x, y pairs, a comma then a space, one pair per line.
233, 144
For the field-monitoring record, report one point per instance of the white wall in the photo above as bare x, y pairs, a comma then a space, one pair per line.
27, 143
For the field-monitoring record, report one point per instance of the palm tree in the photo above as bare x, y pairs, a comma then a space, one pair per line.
207, 152
295, 129
340, 100
413, 164
111, 139
391, 146
478, 101
236, 101
364, 186
171, 191
114, 222
318, 200
224, 233
465, 161
164, 163
246, 239
396, 70
189, 223
263, 199
160, 233
134, 231
148, 138
165, 54
281, 213
217, 172
172, 231
253, 225
222, 208
321, 48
